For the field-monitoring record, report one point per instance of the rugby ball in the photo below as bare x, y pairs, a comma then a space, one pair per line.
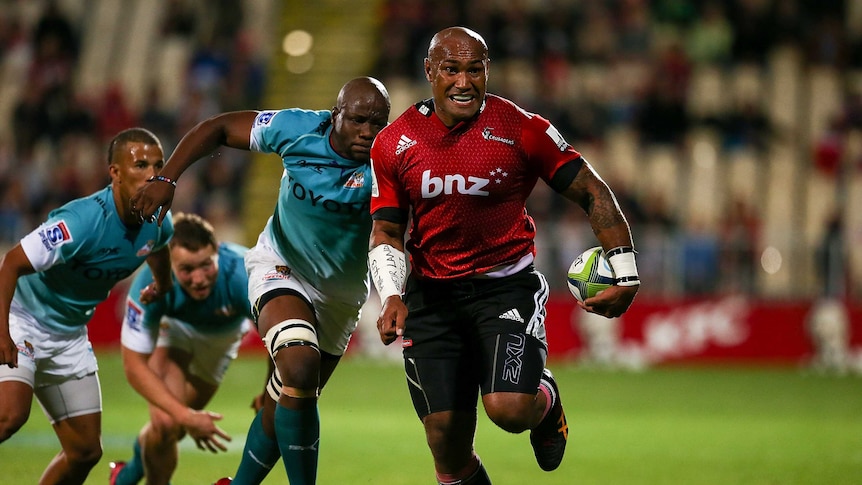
589, 274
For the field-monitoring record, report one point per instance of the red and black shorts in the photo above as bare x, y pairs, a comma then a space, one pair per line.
467, 336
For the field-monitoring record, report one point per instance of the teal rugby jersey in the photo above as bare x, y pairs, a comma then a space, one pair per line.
321, 222
226, 308
80, 252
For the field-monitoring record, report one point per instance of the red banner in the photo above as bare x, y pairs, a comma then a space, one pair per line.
726, 329
721, 329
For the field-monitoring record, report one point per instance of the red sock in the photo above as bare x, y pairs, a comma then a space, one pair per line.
457, 477
548, 399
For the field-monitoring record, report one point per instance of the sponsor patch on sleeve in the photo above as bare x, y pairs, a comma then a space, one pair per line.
134, 315
55, 235
263, 118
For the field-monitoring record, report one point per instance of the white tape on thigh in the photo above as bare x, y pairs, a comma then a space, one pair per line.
289, 333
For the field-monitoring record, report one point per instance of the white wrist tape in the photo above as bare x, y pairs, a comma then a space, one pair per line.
622, 260
388, 268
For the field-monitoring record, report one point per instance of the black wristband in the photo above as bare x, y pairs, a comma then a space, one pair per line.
620, 250
162, 178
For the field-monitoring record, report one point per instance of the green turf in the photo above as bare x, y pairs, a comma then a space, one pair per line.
707, 425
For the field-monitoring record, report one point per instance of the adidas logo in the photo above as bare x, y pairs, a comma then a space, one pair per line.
512, 315
403, 144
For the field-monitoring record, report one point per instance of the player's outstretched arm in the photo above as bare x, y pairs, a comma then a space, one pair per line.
199, 424
230, 129
609, 224
388, 266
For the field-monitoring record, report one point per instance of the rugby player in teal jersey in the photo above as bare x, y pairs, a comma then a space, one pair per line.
177, 349
50, 284
308, 274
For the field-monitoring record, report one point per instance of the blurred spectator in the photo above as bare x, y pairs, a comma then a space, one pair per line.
12, 34
53, 128
244, 82
710, 38
829, 148
829, 326
828, 43
746, 127
700, 260
830, 260
13, 205
662, 118
179, 19
114, 114
55, 29
634, 29
596, 36
753, 30
162, 122
29, 119
740, 234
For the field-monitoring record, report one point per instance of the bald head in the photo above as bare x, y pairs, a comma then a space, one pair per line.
452, 41
366, 88
360, 112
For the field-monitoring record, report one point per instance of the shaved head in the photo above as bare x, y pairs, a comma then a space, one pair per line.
448, 42
361, 111
366, 88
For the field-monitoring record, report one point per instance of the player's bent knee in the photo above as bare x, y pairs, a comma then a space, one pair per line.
84, 455
293, 332
9, 425
512, 415
164, 429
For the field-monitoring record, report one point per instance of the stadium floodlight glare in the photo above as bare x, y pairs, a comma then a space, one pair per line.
771, 260
297, 43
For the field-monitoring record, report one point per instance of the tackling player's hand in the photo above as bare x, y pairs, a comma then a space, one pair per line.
152, 197
611, 302
390, 323
203, 430
151, 293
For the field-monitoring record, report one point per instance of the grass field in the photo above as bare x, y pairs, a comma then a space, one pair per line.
704, 425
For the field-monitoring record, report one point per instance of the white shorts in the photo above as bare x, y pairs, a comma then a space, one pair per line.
211, 353
336, 320
60, 367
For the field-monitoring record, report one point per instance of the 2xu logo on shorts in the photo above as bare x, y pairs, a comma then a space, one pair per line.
449, 184
514, 358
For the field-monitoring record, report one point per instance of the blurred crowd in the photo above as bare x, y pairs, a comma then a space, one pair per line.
595, 68
53, 141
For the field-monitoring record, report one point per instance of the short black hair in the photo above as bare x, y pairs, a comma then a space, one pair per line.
131, 135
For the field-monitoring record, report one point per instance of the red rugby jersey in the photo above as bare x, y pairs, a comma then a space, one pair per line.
467, 186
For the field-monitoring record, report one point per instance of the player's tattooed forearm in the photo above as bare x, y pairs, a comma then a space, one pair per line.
604, 213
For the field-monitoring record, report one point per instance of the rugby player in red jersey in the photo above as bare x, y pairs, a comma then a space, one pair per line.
457, 170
